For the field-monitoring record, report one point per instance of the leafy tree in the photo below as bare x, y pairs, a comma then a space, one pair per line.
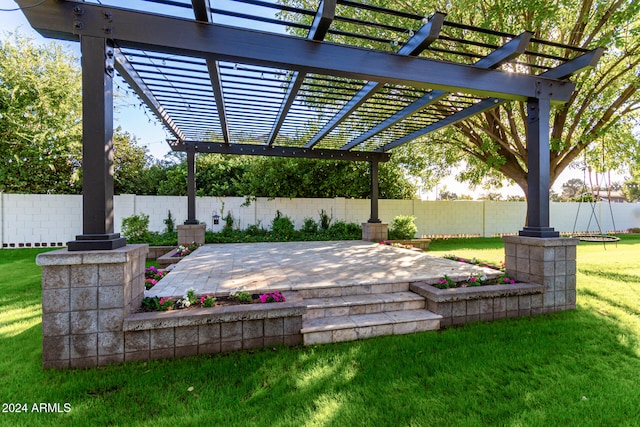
631, 186
130, 160
632, 189
41, 124
286, 177
572, 188
40, 118
447, 195
491, 196
492, 145
218, 175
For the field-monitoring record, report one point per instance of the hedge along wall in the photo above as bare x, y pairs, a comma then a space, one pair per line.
52, 220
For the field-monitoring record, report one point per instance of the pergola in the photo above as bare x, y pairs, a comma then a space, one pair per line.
258, 86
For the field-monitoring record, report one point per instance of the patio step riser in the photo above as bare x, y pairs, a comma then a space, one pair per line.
314, 313
338, 291
364, 332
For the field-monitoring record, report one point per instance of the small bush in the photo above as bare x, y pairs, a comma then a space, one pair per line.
228, 220
169, 223
255, 230
136, 228
325, 220
341, 230
309, 226
403, 227
227, 230
282, 227
161, 239
241, 296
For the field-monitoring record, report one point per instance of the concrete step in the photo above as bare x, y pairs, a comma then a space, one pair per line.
324, 330
312, 292
350, 305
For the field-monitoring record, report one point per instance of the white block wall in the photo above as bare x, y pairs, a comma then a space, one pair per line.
52, 220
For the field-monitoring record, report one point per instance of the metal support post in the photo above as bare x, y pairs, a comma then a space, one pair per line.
191, 185
374, 193
538, 116
97, 148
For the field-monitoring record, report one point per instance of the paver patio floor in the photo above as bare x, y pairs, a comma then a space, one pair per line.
291, 266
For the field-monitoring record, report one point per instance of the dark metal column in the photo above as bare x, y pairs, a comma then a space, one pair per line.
97, 148
538, 116
191, 185
374, 193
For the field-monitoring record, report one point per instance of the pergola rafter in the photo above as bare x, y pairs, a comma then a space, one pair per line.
238, 76
420, 41
496, 58
202, 12
563, 71
319, 28
130, 75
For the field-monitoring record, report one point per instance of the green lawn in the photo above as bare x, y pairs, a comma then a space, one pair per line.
576, 368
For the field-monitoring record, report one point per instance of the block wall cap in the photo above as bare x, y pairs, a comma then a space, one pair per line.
65, 257
541, 241
472, 293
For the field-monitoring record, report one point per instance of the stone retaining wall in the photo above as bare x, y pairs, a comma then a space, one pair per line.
458, 306
181, 333
156, 252
90, 303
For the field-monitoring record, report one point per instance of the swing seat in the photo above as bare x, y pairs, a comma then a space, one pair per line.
596, 238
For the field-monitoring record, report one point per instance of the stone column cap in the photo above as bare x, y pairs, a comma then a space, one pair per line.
542, 241
66, 257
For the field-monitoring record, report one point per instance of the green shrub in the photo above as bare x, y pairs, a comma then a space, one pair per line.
325, 220
228, 220
161, 239
282, 227
403, 227
227, 230
341, 230
309, 226
255, 230
136, 228
169, 223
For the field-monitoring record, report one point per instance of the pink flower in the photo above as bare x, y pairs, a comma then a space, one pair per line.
162, 300
512, 281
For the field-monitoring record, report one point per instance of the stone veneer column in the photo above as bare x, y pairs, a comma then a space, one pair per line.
86, 295
547, 261
189, 233
374, 231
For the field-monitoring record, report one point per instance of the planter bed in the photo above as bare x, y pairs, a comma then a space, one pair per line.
179, 333
481, 303
156, 252
416, 243
168, 258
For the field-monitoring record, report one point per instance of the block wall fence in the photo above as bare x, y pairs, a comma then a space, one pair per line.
30, 220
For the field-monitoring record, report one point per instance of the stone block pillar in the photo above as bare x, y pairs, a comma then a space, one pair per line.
189, 233
547, 261
86, 295
374, 231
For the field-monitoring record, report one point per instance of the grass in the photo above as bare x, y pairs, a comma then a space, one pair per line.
577, 368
